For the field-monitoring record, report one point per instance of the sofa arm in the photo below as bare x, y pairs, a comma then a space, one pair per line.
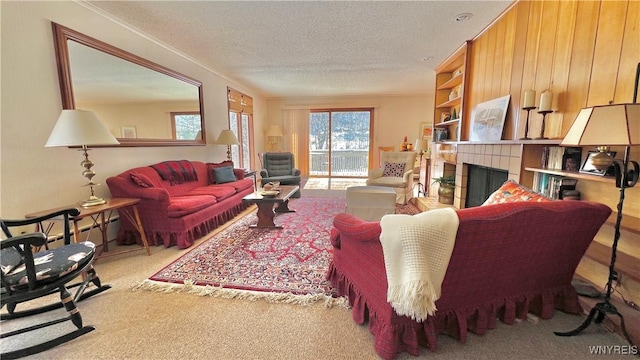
375, 173
264, 173
121, 187
155, 194
239, 173
353, 227
295, 172
408, 176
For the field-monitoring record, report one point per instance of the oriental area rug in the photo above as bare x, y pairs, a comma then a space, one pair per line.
287, 265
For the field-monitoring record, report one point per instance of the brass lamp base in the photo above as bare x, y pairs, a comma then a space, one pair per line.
93, 201
89, 174
603, 159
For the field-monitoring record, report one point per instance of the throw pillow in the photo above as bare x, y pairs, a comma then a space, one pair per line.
393, 169
211, 166
511, 191
224, 174
141, 180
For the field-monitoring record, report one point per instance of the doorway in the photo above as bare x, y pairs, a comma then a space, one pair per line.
339, 142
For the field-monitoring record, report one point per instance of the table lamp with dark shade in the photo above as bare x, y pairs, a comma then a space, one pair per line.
82, 128
601, 127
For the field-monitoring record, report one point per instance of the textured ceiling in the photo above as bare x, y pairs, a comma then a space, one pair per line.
313, 48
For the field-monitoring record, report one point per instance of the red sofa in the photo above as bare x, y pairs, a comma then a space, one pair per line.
508, 260
179, 213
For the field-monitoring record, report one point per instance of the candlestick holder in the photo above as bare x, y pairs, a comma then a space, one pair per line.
526, 124
544, 117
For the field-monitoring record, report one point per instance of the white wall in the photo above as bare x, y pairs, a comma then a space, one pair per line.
34, 178
394, 116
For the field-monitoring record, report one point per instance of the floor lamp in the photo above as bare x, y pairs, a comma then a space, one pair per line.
421, 146
604, 126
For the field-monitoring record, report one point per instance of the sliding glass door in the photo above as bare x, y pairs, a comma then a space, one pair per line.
339, 142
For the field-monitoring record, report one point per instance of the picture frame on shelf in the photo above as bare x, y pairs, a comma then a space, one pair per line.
128, 132
426, 131
487, 119
588, 168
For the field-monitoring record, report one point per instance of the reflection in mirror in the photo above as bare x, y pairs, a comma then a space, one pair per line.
142, 103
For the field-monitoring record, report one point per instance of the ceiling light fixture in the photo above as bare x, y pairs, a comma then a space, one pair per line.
463, 17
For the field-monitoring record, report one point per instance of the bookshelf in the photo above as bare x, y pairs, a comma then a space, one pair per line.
451, 80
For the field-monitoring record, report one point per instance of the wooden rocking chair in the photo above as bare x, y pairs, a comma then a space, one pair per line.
26, 276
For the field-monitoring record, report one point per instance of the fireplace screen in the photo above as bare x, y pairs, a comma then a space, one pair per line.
482, 182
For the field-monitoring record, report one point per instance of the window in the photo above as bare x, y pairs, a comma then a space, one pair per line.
339, 142
186, 125
241, 123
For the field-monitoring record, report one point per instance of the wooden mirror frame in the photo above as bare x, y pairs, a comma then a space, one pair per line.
62, 34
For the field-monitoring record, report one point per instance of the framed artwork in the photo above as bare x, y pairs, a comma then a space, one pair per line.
487, 119
426, 131
129, 132
588, 168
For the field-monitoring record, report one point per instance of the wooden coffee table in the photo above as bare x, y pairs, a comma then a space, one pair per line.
269, 206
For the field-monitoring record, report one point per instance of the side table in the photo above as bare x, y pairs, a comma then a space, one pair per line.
126, 207
248, 173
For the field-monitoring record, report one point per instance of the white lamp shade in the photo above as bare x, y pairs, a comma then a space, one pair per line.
274, 130
605, 125
420, 145
79, 127
227, 137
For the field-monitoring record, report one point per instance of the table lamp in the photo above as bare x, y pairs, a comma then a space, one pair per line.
82, 128
227, 137
274, 131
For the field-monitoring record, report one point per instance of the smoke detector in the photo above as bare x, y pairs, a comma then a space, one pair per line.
463, 17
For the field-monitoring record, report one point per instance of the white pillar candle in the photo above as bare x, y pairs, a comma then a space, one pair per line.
530, 99
545, 101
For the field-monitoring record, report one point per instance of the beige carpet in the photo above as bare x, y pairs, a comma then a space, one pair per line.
150, 325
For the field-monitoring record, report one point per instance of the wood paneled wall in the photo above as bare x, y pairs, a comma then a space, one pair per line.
585, 52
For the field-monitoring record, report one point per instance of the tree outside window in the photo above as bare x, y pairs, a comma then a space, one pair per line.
186, 126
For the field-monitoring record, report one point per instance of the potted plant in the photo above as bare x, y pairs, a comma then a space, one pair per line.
447, 185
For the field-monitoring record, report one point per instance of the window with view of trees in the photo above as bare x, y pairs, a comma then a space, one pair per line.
186, 125
241, 123
339, 142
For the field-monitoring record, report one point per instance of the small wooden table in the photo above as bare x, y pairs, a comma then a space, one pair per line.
248, 173
97, 215
266, 212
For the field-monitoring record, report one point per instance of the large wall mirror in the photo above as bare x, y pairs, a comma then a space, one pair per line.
142, 103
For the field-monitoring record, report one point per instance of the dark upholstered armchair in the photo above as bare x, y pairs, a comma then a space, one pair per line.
280, 167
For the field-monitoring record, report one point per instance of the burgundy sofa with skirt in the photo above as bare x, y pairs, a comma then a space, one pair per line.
179, 213
508, 260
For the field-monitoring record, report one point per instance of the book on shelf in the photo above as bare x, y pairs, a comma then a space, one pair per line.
565, 158
553, 186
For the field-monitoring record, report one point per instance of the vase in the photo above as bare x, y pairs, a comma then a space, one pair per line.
445, 194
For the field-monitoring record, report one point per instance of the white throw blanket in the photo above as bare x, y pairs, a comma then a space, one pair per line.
417, 250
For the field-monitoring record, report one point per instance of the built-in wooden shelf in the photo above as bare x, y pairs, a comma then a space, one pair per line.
574, 174
451, 83
450, 103
448, 122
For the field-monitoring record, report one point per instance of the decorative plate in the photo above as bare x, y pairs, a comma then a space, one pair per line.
269, 193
